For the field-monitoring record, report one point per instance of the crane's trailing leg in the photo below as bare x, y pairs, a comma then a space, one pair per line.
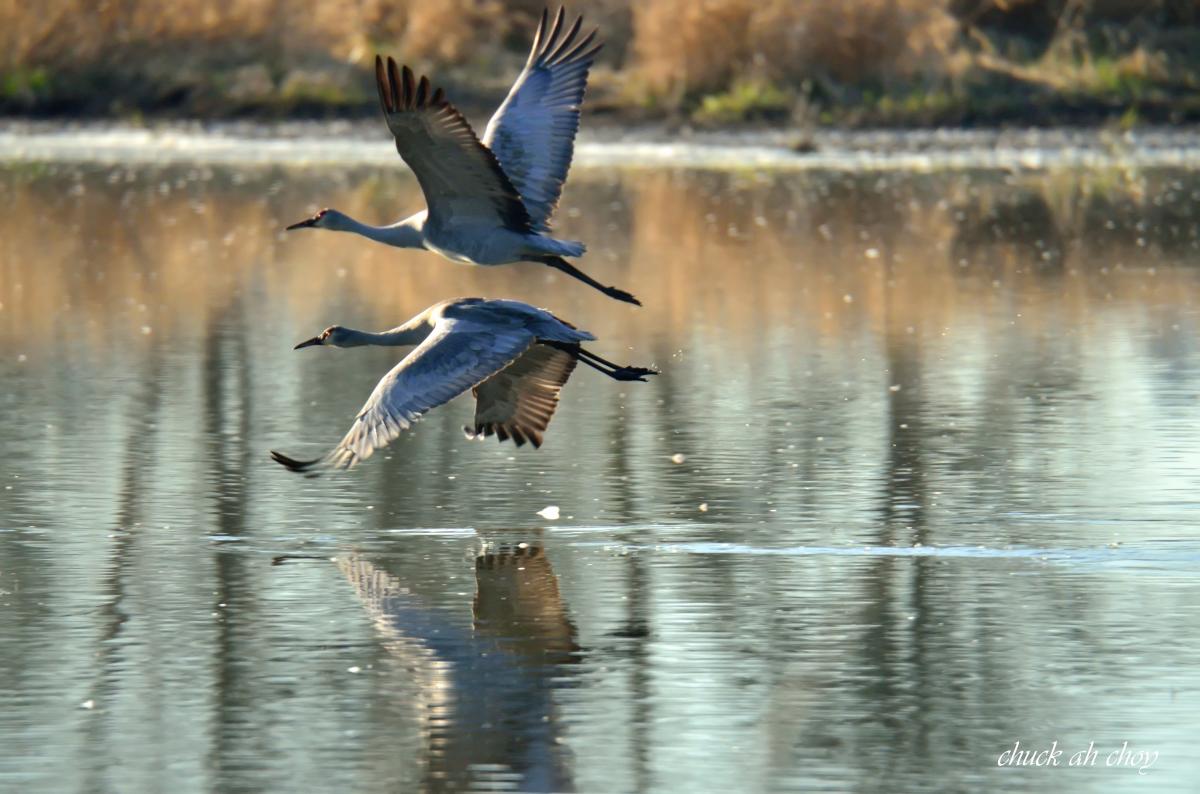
558, 263
621, 373
614, 371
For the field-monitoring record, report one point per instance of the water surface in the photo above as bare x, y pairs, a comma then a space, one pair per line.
919, 480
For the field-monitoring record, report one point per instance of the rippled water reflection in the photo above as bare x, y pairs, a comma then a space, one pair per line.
937, 491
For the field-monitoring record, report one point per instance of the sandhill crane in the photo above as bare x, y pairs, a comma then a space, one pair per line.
489, 202
514, 357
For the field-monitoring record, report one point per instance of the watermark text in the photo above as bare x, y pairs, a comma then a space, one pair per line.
1125, 756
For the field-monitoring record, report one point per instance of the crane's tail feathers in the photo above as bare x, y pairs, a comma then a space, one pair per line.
571, 248
304, 466
539, 246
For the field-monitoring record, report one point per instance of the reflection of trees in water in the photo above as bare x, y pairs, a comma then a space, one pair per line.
794, 301
743, 249
1097, 221
1009, 232
144, 416
1140, 225
773, 301
227, 403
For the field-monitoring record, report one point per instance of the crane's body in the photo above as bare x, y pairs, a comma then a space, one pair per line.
463, 242
514, 357
489, 201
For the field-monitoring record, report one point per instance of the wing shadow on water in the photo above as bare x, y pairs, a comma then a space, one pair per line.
485, 701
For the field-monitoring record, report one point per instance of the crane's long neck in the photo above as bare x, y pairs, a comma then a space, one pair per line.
412, 332
405, 234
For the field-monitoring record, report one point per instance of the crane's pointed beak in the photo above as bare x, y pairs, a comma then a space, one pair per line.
316, 340
304, 224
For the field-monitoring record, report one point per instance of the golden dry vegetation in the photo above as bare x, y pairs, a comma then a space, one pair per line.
854, 61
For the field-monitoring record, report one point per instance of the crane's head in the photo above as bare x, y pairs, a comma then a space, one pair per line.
325, 219
333, 336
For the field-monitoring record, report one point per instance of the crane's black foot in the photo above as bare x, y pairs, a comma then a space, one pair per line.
621, 295
632, 373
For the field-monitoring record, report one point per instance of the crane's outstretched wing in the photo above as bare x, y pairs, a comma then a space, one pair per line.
458, 175
533, 131
518, 401
457, 355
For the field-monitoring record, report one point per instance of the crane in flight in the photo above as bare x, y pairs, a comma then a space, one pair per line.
489, 201
514, 357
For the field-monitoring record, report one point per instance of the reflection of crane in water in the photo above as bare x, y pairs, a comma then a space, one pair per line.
489, 202
514, 357
486, 694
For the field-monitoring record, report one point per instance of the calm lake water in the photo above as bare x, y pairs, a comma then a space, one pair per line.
920, 479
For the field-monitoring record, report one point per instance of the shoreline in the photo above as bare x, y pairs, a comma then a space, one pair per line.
363, 143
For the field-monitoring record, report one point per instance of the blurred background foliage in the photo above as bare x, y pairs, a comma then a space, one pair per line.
854, 62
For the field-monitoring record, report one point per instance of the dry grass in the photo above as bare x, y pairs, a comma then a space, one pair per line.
669, 55
686, 47
60, 32
671, 51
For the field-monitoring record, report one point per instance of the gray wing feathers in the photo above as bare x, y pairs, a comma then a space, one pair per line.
459, 176
533, 132
455, 357
518, 401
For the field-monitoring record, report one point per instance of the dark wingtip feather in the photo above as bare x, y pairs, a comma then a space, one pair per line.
400, 89
565, 42
381, 85
292, 463
409, 88
580, 51
540, 36
394, 84
552, 37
